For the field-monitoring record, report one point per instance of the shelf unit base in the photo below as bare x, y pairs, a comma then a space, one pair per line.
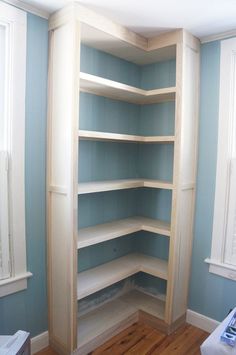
99, 325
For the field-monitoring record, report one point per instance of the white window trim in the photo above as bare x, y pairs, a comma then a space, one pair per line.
225, 154
16, 22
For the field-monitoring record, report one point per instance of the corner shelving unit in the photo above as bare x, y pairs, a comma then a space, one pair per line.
121, 182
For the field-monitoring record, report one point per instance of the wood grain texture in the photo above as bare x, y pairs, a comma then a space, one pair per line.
144, 340
47, 351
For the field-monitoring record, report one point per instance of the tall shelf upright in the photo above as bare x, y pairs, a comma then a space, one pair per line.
106, 254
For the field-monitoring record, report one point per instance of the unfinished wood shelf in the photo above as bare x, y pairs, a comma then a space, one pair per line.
103, 319
97, 278
114, 90
176, 82
112, 185
116, 137
111, 230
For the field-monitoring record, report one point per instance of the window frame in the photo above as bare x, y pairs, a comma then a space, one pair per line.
226, 151
15, 21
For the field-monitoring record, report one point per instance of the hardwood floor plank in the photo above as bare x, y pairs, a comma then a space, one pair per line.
169, 339
182, 344
47, 351
125, 340
146, 345
196, 348
185, 341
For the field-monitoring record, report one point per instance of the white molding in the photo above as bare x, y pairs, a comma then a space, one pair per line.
29, 8
218, 36
225, 154
200, 321
14, 284
39, 342
15, 22
218, 268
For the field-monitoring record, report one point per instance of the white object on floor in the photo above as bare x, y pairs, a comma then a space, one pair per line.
213, 345
17, 344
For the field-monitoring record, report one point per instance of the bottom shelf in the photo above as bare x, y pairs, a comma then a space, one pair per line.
95, 325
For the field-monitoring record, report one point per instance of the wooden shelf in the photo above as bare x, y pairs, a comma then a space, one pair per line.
118, 91
107, 231
115, 137
111, 185
103, 319
95, 279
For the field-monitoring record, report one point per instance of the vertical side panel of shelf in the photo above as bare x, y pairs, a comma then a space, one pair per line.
188, 167
184, 179
62, 185
173, 257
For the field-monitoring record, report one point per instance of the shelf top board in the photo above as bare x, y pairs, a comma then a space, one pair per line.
118, 91
102, 41
111, 230
111, 185
116, 137
97, 278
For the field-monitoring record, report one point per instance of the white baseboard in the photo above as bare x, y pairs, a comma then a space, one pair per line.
39, 342
201, 321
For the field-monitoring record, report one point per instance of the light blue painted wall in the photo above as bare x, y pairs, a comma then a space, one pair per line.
158, 75
209, 294
27, 309
99, 113
151, 76
107, 66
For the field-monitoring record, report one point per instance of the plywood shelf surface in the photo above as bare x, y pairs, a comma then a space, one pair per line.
115, 137
103, 318
107, 231
118, 91
111, 185
95, 279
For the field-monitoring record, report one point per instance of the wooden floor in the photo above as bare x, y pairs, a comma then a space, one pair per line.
141, 339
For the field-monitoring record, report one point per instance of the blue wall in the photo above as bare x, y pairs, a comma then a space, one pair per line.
27, 309
209, 294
